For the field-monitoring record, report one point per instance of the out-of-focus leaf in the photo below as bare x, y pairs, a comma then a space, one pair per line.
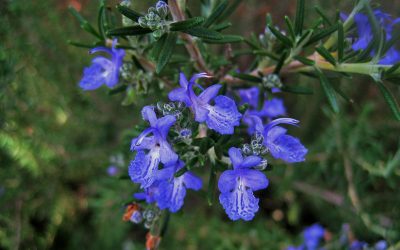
135, 30
187, 24
166, 51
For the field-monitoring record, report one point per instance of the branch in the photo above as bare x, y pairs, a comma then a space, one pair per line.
190, 44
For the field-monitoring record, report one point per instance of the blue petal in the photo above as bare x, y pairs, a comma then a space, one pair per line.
249, 96
164, 124
236, 156
287, 148
180, 95
200, 111
167, 154
144, 167
92, 77
250, 161
253, 179
149, 115
239, 204
227, 181
273, 108
143, 142
191, 181
223, 116
253, 122
276, 122
197, 76
274, 133
172, 194
392, 56
209, 93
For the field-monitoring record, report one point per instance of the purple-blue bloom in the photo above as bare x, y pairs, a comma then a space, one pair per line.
222, 117
358, 245
281, 145
149, 194
172, 190
143, 169
103, 70
271, 108
112, 170
237, 186
381, 245
365, 34
313, 236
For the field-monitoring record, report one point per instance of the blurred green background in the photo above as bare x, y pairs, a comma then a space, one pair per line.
56, 143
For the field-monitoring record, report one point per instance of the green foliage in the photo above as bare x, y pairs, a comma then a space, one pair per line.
56, 142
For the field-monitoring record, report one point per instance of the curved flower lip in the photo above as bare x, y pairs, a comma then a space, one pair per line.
103, 70
278, 121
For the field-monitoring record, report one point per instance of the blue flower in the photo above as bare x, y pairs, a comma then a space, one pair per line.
149, 194
381, 245
358, 245
249, 96
273, 108
312, 236
103, 70
254, 122
222, 117
112, 170
281, 145
237, 186
365, 34
172, 190
143, 169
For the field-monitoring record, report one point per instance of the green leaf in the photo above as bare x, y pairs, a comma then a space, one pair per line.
281, 62
297, 90
204, 33
247, 77
135, 30
212, 180
166, 51
129, 13
304, 60
85, 25
100, 18
318, 36
226, 39
221, 26
299, 20
229, 10
390, 100
340, 42
187, 24
322, 14
325, 54
376, 27
328, 90
157, 46
282, 38
393, 69
216, 13
80, 45
289, 24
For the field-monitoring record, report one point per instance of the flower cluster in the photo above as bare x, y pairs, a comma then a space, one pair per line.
166, 184
103, 70
365, 34
155, 19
